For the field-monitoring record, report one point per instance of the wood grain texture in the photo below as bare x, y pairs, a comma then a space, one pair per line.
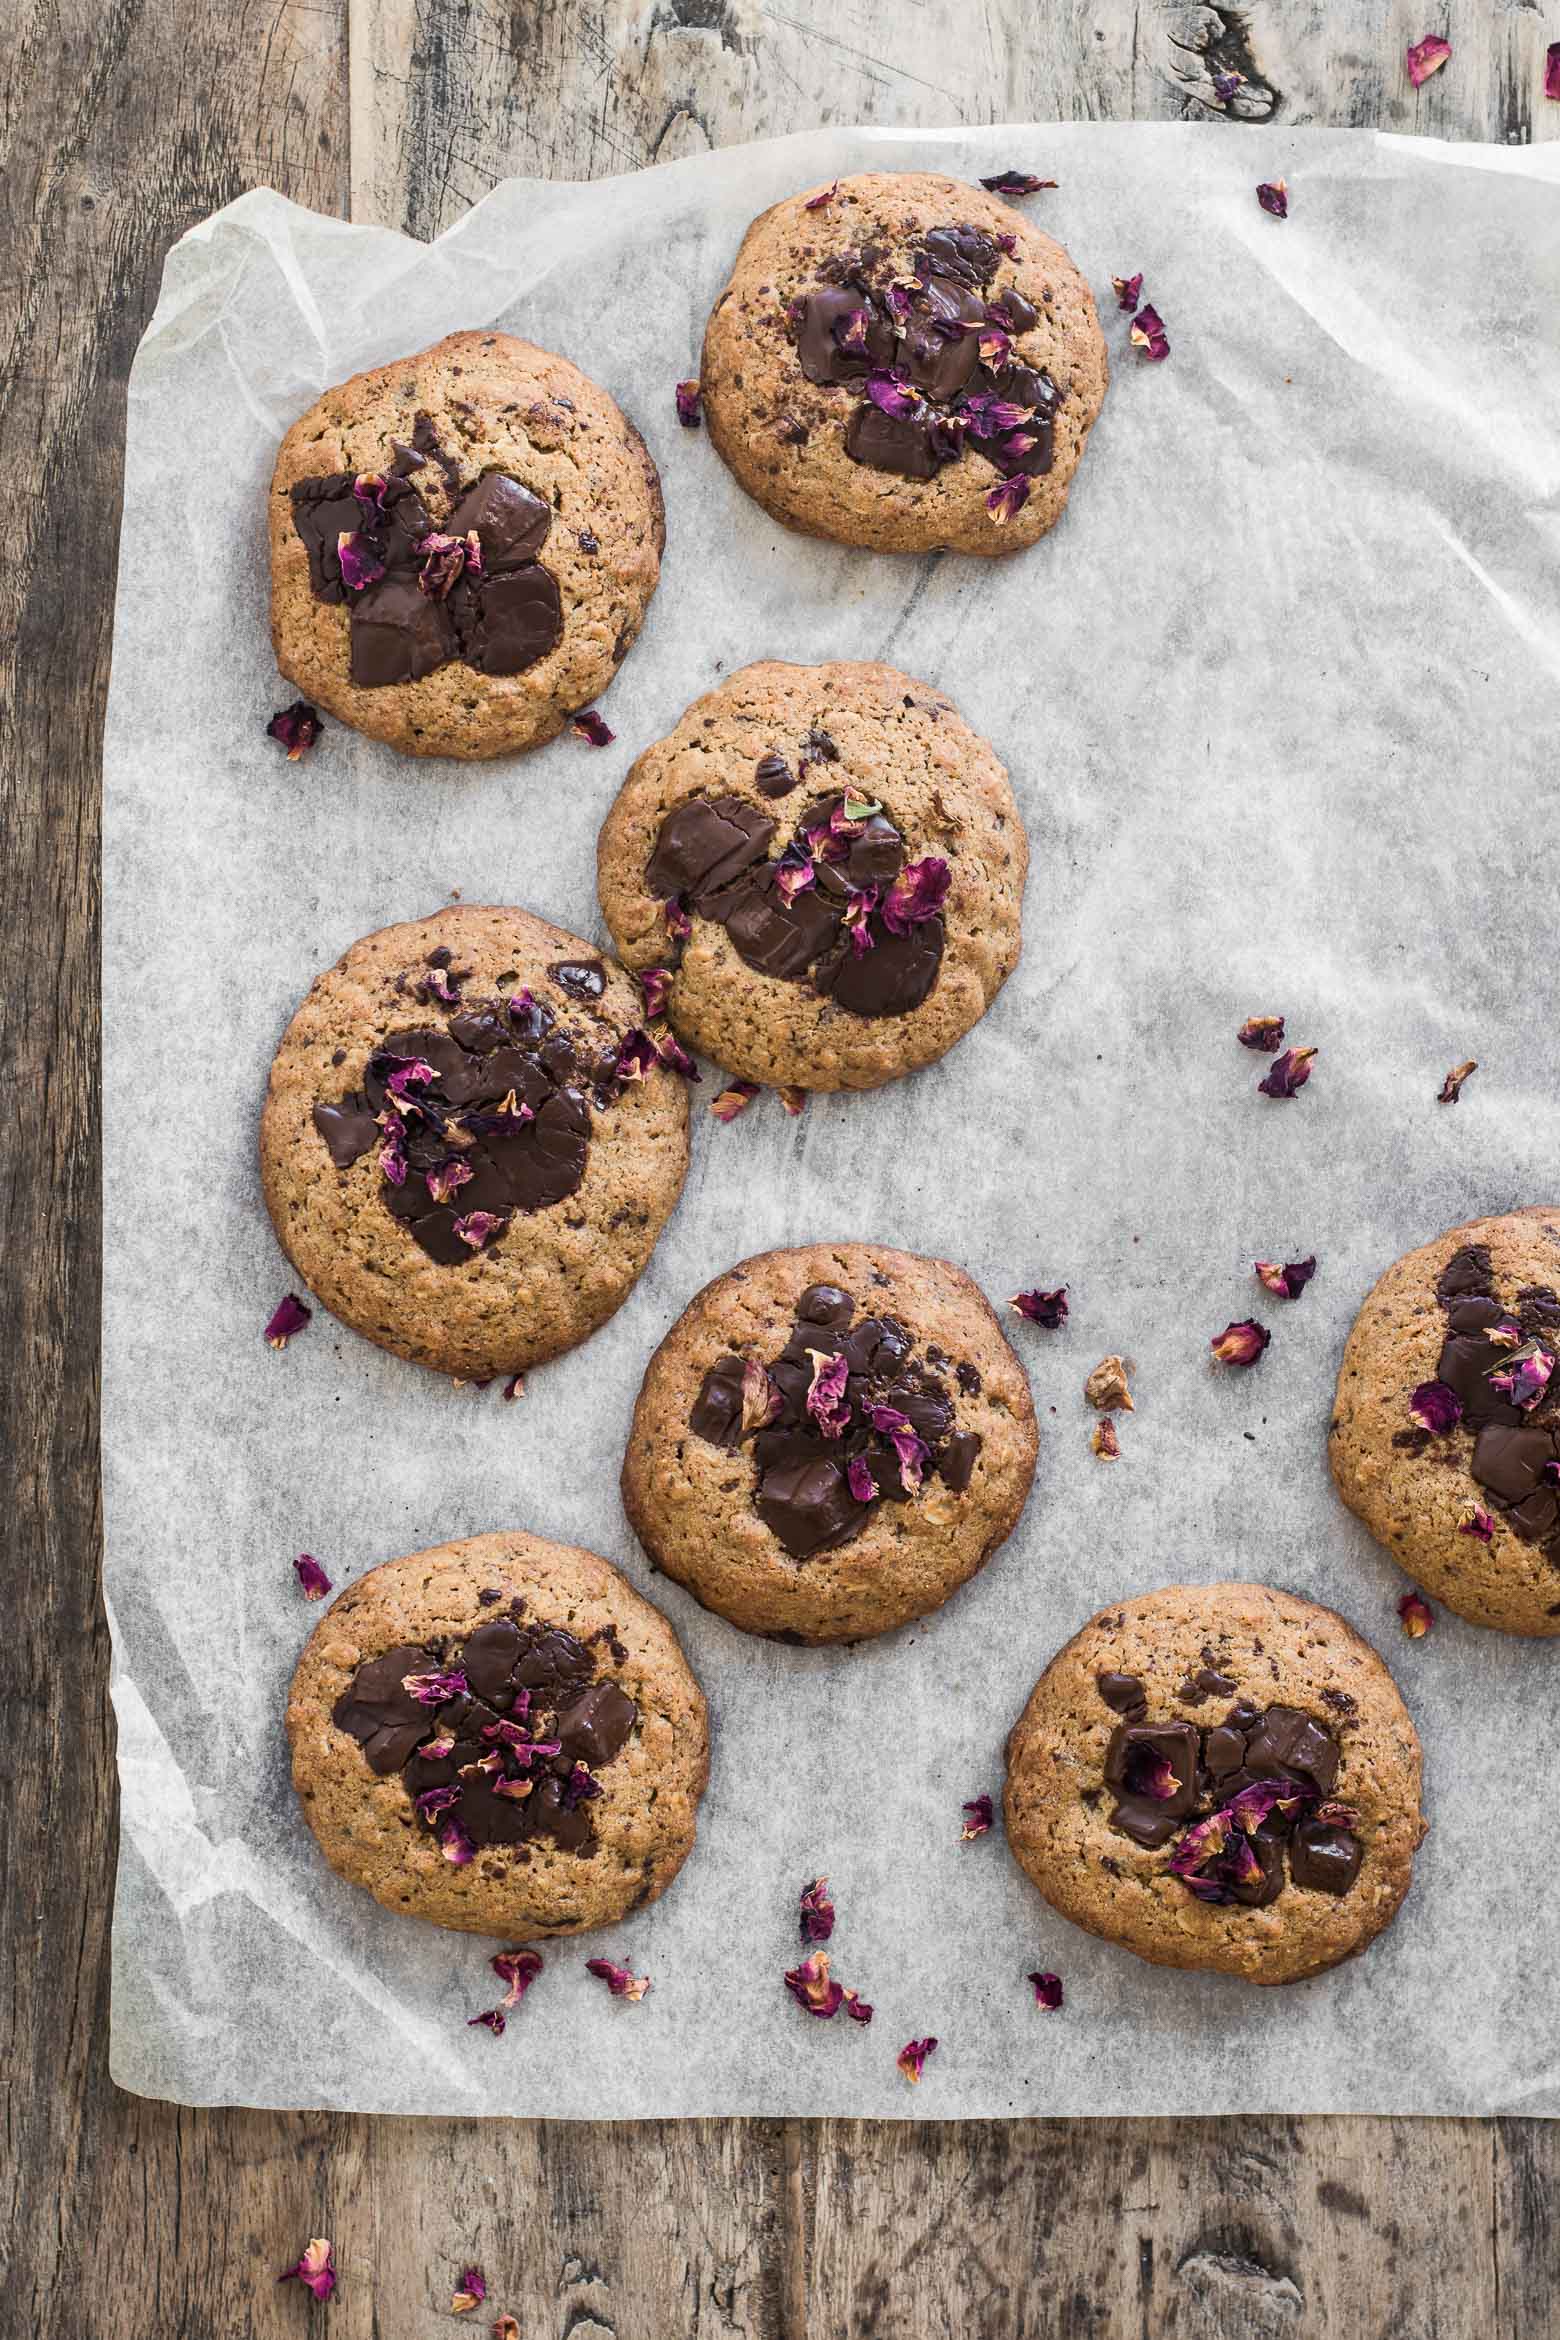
121, 122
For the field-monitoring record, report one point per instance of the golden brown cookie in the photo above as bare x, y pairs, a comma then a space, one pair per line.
463, 547
1218, 1776
901, 361
469, 1145
829, 865
1445, 1435
829, 1441
499, 1735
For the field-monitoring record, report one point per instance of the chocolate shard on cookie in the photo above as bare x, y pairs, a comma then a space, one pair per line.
842, 928
829, 1441
1445, 1436
463, 547
499, 1735
908, 365
469, 1147
1265, 1828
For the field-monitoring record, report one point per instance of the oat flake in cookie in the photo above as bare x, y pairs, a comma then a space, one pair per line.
499, 1735
900, 361
1445, 1435
1220, 1776
830, 866
463, 547
466, 1149
829, 1441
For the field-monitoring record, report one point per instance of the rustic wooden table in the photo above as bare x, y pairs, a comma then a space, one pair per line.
121, 122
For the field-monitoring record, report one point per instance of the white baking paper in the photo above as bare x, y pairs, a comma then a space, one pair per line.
1278, 701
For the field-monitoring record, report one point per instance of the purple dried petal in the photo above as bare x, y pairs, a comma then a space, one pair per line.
1273, 195
1044, 1308
892, 392
1264, 1033
858, 1476
507, 1733
435, 1750
816, 1914
1202, 1843
918, 893
825, 195
470, 2291
435, 1800
678, 923
1225, 85
793, 1099
810, 1987
392, 1155
1552, 71
287, 1318
761, 1400
977, 1819
1437, 1408
1477, 1522
436, 1689
1016, 183
1048, 1991
359, 556
1257, 1803
794, 874
856, 2007
369, 489
1288, 1074
478, 1228
444, 558
988, 416
1007, 498
734, 1100
1286, 1282
589, 725
514, 1388
673, 1054
826, 1392
456, 1846
901, 301
491, 2019
636, 1057
1147, 333
439, 984
315, 2269
297, 727
995, 344
857, 920
1523, 1379
850, 332
911, 2058
1417, 1616
580, 1788
316, 1584
1128, 291
1452, 1087
689, 399
656, 984
619, 1981
1427, 57
913, 1452
448, 1178
411, 1073
1241, 1343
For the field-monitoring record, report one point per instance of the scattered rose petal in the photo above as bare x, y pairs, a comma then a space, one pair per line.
1147, 333
1477, 1522
479, 1227
1242, 1343
911, 2058
689, 399
435, 1689
1007, 498
435, 1750
392, 1155
734, 1100
816, 1917
297, 727
1107, 1388
289, 1317
1552, 71
1044, 1308
1273, 195
491, 2019
1288, 1073
315, 2270
1427, 57
1128, 291
1048, 1991
1436, 1407
672, 1053
918, 893
517, 1970
470, 2291
636, 1057
810, 1987
825, 195
794, 1100
514, 1388
619, 1981
977, 1819
1225, 85
1417, 1615
358, 555
893, 393
1103, 1439
1265, 1033
506, 2329
826, 1392
592, 727
316, 1584
858, 1477
656, 984
1016, 183
1452, 1086
856, 2007
1286, 1282
1524, 1378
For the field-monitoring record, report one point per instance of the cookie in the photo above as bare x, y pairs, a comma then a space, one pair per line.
902, 362
1218, 1776
829, 865
463, 547
469, 1146
499, 1735
829, 1441
1445, 1435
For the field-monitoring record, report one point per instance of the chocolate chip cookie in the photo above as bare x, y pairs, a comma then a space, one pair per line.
1218, 1776
463, 547
499, 1735
469, 1143
829, 1441
1445, 1435
826, 866
901, 361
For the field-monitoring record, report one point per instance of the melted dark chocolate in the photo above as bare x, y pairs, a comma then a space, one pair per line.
1516, 1450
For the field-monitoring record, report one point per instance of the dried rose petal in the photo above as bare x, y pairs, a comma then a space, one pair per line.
1452, 1086
517, 1969
289, 1317
816, 1915
410, 1073
443, 558
579, 1788
506, 2329
1273, 195
514, 1388
1104, 1441
1048, 1991
1106, 1387
1477, 1522
392, 1155
761, 1400
315, 2270
1007, 498
435, 1689
678, 923
859, 1479
619, 1981
794, 1100
479, 1227
810, 1987
448, 1177
1265, 1033
514, 1791
1202, 1843
439, 984
1427, 57
456, 1846
858, 920
918, 893
1336, 1815
672, 1053
297, 728
892, 392
1436, 1407
794, 873
977, 1821
588, 725
636, 1057
1147, 333
369, 489
491, 2019
1524, 1378
1225, 85
1128, 290
1288, 1074
734, 1100
856, 2007
361, 565
689, 398
1552, 71
826, 1392
912, 1451
826, 195
316, 1584
435, 1800
1242, 1343
1016, 183
655, 983
911, 2058
1417, 1615
1286, 1282
470, 2291
435, 1750
1045, 1308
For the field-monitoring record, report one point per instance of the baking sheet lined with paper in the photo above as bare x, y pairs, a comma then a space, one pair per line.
1275, 699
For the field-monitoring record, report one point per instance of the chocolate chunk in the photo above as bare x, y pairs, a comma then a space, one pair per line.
511, 523
774, 776
551, 1659
385, 1719
807, 1505
956, 1462
1288, 1744
1468, 1358
1327, 1859
349, 1130
900, 443
509, 620
1122, 1693
1137, 1750
594, 1727
774, 936
1517, 1466
705, 843
1021, 315
896, 975
1468, 1272
825, 1304
324, 510
398, 634
1256, 1892
581, 978
717, 1410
